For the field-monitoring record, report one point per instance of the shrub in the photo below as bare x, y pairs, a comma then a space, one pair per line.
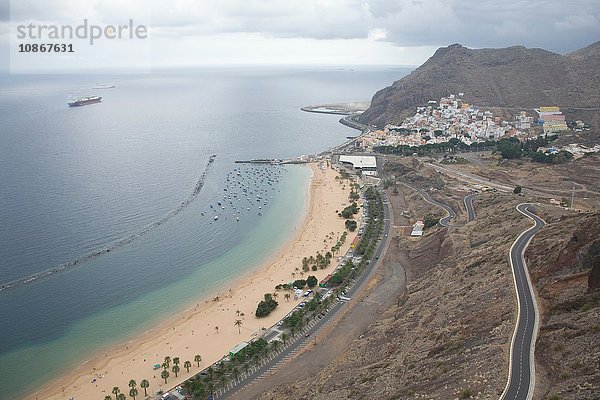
312, 281
517, 189
265, 307
466, 393
430, 221
351, 225
299, 283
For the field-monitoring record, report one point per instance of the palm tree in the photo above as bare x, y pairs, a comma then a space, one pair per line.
133, 392
132, 383
165, 374
284, 337
276, 344
197, 359
107, 397
176, 361
211, 387
238, 323
275, 295
167, 361
116, 391
238, 312
199, 392
144, 384
287, 296
175, 369
187, 365
235, 371
223, 381
121, 396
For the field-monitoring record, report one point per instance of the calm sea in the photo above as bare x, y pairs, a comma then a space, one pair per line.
75, 180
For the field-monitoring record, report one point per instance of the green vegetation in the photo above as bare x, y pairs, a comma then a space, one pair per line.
349, 211
509, 148
374, 227
265, 307
466, 393
165, 375
339, 243
218, 375
430, 221
239, 323
555, 158
517, 189
351, 225
320, 261
312, 281
436, 148
144, 384
299, 283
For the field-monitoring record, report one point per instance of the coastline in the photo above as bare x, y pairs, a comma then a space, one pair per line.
193, 331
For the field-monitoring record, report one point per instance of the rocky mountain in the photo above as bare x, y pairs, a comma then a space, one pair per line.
511, 78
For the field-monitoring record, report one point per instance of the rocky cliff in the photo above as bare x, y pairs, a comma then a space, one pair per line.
512, 78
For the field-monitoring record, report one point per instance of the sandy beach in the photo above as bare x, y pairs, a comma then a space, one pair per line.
208, 327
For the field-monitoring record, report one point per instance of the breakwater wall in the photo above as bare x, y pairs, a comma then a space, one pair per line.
116, 244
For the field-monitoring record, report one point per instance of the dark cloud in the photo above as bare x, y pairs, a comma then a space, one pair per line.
551, 24
556, 25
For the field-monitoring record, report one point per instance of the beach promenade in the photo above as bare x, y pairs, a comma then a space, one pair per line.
207, 328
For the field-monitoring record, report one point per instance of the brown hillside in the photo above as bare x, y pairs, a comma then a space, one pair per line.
513, 77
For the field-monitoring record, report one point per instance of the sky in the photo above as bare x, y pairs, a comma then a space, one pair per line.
329, 32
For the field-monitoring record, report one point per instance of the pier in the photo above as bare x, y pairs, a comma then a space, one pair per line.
351, 112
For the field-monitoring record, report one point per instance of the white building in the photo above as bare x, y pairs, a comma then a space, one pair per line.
366, 164
417, 229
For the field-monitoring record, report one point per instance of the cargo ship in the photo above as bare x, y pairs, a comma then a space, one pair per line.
84, 101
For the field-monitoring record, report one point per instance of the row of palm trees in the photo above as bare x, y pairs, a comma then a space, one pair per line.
219, 375
133, 392
145, 384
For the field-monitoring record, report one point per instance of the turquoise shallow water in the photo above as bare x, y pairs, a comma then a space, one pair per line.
106, 327
75, 180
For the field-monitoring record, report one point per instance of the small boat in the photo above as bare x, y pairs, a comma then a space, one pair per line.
216, 217
104, 86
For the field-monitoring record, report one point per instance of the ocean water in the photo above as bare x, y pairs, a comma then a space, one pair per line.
73, 181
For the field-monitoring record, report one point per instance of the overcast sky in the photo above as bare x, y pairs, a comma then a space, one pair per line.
336, 32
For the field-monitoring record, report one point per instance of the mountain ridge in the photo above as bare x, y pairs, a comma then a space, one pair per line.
511, 77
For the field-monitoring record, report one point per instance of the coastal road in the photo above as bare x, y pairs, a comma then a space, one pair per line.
470, 207
314, 327
449, 211
521, 370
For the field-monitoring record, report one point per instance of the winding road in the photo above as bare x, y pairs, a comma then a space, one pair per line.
521, 370
443, 221
470, 207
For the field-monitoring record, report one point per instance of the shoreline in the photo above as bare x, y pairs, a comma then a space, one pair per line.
213, 320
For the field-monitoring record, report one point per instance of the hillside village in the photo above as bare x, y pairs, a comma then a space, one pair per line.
453, 118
